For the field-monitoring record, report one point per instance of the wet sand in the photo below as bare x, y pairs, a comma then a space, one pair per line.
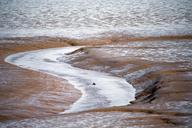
103, 94
162, 83
163, 96
25, 93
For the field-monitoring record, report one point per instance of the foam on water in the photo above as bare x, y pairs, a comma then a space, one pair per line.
107, 91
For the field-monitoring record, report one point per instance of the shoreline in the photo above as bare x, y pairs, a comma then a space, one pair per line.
103, 94
25, 84
164, 92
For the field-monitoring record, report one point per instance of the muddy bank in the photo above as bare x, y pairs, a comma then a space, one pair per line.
26, 93
159, 70
104, 94
161, 76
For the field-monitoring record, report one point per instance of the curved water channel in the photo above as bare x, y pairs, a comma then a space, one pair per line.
98, 89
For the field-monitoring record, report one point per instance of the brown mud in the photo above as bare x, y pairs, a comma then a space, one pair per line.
25, 93
163, 97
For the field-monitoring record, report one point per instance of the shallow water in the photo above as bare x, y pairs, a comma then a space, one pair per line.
107, 91
92, 18
157, 51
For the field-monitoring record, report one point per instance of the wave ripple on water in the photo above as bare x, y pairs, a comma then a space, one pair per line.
80, 18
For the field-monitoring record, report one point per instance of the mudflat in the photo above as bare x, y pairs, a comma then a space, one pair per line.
25, 93
160, 70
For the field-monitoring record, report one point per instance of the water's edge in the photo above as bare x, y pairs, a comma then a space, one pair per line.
108, 91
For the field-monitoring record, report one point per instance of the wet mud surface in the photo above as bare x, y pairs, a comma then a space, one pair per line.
25, 93
159, 70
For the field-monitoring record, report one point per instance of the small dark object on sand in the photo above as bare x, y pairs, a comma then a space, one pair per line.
94, 84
